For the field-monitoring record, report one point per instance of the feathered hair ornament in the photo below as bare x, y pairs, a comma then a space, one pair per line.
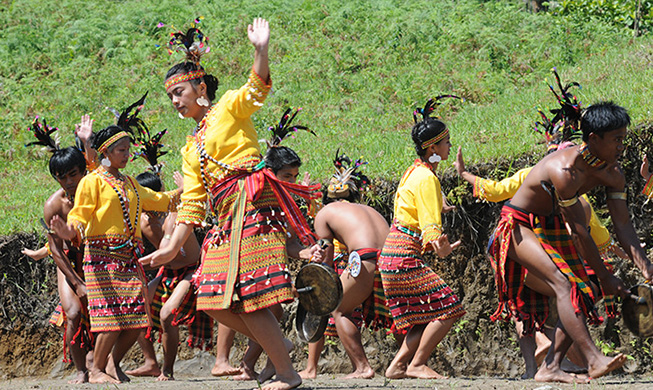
193, 43
129, 122
43, 134
346, 179
430, 106
150, 148
564, 125
285, 128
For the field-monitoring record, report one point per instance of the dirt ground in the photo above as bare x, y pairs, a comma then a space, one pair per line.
328, 382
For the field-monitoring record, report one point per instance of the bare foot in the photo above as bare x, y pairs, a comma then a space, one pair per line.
424, 372
267, 373
115, 371
308, 373
363, 374
223, 368
549, 374
246, 374
101, 377
529, 374
395, 370
607, 365
165, 377
283, 383
81, 377
568, 366
145, 370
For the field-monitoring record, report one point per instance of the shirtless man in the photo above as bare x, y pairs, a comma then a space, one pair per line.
549, 198
67, 167
362, 230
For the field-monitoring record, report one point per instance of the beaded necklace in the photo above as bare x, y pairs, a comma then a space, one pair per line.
589, 158
200, 134
119, 185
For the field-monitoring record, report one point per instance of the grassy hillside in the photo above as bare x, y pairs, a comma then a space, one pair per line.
358, 69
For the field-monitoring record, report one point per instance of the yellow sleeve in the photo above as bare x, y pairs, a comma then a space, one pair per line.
600, 234
497, 191
192, 210
428, 202
648, 188
152, 200
250, 97
86, 201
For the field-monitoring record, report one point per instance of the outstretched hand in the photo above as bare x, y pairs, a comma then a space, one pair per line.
61, 228
459, 163
159, 257
611, 285
446, 207
644, 170
442, 246
84, 129
259, 33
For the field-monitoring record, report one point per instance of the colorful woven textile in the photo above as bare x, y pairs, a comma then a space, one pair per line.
114, 284
415, 294
200, 325
517, 300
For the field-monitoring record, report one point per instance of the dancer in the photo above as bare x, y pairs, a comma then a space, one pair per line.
68, 166
363, 231
419, 300
533, 235
243, 271
105, 218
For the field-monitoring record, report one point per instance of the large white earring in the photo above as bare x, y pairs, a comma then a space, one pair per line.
202, 101
181, 116
435, 158
106, 162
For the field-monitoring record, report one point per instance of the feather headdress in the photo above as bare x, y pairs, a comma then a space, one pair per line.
346, 179
285, 128
430, 106
563, 126
43, 134
151, 148
193, 43
129, 122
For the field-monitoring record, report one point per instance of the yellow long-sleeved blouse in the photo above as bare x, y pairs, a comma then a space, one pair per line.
418, 202
497, 191
98, 214
227, 135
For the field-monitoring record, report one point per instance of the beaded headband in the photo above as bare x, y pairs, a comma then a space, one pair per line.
112, 140
180, 78
435, 139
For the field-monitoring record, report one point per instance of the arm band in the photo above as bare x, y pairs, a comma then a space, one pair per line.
568, 202
617, 195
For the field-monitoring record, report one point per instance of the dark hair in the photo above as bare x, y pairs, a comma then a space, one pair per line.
65, 160
424, 131
104, 135
603, 117
353, 197
278, 157
210, 80
150, 180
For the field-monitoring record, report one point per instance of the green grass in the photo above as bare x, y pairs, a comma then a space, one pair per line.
357, 68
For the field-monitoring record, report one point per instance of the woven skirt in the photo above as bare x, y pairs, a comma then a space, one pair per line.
415, 294
263, 278
114, 290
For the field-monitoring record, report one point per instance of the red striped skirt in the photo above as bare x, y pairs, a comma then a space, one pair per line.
415, 294
263, 276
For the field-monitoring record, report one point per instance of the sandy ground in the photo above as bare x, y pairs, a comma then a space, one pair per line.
329, 382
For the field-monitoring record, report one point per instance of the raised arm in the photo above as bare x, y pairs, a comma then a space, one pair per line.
259, 35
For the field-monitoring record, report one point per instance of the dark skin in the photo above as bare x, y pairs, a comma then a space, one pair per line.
356, 226
571, 176
72, 289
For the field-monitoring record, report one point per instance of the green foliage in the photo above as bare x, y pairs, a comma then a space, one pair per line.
357, 68
621, 13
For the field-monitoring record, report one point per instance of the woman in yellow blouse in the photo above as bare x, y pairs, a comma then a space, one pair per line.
419, 300
243, 271
105, 218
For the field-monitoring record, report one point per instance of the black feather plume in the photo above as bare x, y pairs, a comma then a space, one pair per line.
285, 128
43, 133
